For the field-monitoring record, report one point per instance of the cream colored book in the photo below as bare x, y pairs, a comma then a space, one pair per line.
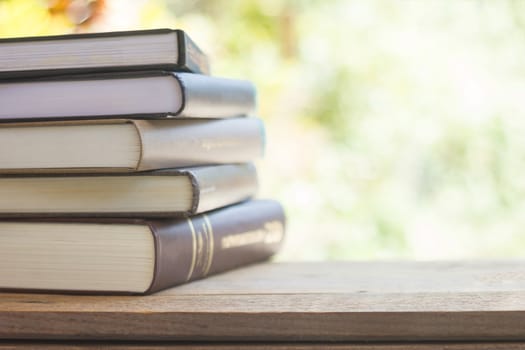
160, 193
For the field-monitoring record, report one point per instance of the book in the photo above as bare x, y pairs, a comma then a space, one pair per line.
160, 193
165, 49
152, 94
136, 256
127, 145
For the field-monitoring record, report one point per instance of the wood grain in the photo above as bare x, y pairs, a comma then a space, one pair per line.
264, 346
330, 301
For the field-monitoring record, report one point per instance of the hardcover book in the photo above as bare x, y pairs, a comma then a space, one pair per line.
164, 49
152, 94
127, 145
135, 256
161, 193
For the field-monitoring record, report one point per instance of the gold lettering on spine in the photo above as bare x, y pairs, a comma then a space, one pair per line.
271, 232
211, 245
194, 249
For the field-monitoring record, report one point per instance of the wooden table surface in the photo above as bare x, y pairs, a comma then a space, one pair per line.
344, 302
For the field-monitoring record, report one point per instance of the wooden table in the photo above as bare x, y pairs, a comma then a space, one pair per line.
347, 305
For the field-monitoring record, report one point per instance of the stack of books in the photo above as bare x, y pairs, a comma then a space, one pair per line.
125, 167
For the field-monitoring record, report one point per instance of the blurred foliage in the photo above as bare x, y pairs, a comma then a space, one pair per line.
395, 127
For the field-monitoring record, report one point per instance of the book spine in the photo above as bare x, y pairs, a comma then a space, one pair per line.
213, 97
190, 56
218, 241
217, 186
170, 144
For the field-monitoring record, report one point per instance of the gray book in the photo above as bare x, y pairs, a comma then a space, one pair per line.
128, 145
152, 94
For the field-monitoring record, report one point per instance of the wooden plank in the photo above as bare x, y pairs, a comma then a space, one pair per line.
332, 301
456, 346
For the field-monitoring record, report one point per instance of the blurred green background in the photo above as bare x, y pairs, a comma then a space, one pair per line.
395, 128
